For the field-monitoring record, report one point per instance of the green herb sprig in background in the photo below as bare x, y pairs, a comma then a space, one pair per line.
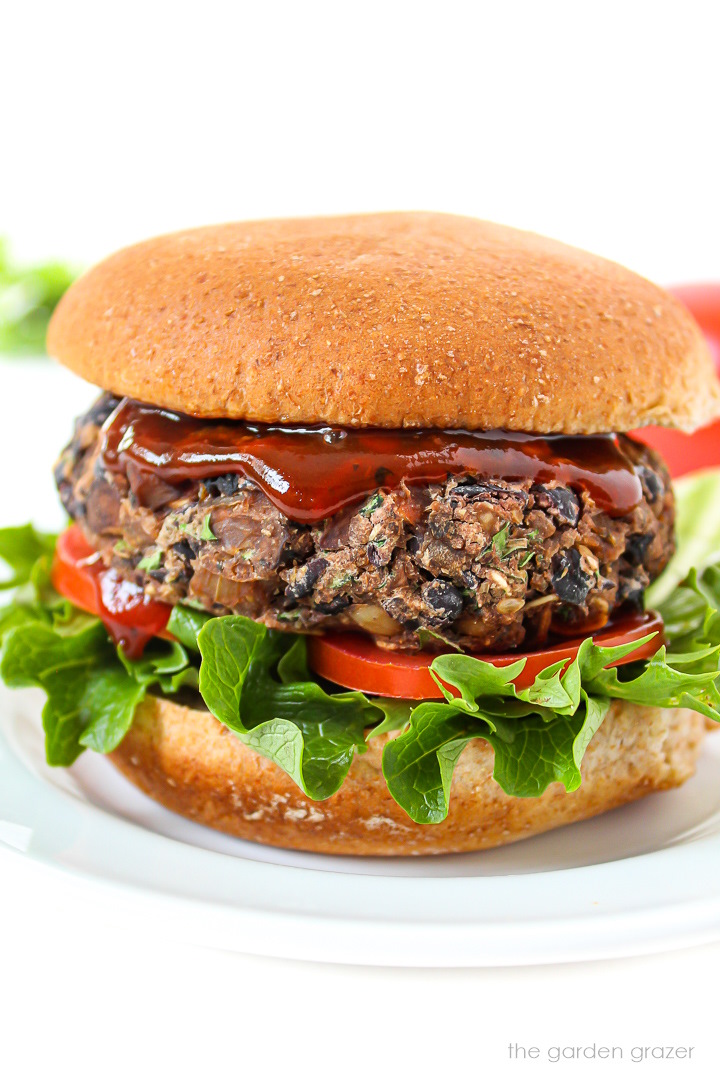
28, 297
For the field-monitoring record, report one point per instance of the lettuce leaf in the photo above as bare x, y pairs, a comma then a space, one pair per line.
91, 699
697, 532
92, 688
20, 549
539, 734
256, 681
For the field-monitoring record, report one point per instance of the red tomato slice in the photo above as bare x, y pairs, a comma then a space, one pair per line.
79, 573
686, 453
356, 662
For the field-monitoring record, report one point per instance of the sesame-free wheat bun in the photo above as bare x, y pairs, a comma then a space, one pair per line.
186, 760
386, 320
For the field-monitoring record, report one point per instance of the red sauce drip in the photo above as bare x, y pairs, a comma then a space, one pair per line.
311, 473
130, 617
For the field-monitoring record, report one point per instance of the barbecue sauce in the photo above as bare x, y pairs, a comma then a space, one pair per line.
310, 473
130, 617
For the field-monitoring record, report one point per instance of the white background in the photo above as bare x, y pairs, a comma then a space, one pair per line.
596, 123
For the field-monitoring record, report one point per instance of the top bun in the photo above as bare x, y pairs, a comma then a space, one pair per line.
388, 320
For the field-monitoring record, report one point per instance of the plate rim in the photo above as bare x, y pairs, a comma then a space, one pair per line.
590, 912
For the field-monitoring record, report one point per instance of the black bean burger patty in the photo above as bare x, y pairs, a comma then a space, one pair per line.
486, 564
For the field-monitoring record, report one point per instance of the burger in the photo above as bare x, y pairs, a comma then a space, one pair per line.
360, 547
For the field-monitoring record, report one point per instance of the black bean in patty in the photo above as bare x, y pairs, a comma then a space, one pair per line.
569, 580
444, 601
562, 502
305, 578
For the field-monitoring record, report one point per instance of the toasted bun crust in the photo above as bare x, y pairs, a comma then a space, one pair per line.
386, 320
190, 763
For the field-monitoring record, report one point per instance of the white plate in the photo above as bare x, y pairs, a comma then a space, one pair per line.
636, 880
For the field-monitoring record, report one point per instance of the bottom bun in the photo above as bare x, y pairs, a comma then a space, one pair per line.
186, 760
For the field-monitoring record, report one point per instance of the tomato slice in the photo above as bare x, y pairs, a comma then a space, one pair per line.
354, 661
131, 618
681, 452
